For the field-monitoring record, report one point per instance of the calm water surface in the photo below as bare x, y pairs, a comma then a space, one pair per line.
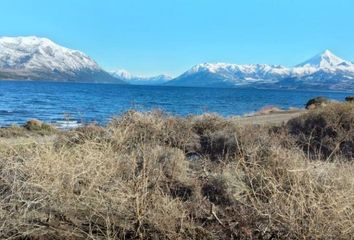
72, 103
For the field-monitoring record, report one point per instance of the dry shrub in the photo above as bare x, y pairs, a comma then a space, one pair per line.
39, 127
13, 131
207, 123
133, 180
218, 136
227, 187
302, 199
219, 145
31, 128
80, 135
82, 192
326, 132
152, 127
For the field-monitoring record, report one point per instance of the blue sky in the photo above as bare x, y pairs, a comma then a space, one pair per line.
169, 36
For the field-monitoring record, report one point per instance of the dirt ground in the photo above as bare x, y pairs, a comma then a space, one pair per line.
271, 118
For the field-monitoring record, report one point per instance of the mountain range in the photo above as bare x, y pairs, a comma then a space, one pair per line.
324, 71
140, 80
34, 58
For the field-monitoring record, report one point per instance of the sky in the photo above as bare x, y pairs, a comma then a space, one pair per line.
149, 37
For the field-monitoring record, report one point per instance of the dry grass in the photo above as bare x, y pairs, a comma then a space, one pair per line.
29, 129
153, 176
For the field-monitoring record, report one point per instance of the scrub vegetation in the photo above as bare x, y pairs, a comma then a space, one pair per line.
156, 176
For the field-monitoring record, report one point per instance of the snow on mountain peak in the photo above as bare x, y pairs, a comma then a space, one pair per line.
35, 58
140, 80
232, 69
325, 59
122, 73
208, 67
325, 70
30, 53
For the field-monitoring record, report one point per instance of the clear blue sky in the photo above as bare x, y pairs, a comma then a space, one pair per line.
169, 36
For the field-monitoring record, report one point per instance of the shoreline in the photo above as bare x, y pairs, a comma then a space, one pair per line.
274, 116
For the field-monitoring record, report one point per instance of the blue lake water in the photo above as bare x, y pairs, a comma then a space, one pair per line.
78, 102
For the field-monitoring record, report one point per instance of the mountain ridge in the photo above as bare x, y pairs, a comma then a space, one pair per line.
35, 58
324, 71
140, 80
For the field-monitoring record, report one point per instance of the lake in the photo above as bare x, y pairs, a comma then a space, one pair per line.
69, 104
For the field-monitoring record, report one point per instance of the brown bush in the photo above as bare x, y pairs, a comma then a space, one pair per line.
218, 137
326, 132
38, 126
135, 179
156, 127
80, 135
31, 128
13, 131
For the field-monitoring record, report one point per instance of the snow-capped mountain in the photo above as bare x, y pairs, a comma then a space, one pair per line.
140, 80
325, 60
324, 71
34, 58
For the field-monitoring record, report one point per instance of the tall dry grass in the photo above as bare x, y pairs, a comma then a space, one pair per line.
154, 176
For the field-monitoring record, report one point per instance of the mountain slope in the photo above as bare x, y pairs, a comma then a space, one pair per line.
324, 60
33, 58
139, 80
324, 71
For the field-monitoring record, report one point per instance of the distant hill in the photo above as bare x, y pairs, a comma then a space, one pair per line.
324, 71
34, 58
139, 80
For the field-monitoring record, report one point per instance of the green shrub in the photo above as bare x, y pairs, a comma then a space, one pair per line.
349, 99
316, 102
